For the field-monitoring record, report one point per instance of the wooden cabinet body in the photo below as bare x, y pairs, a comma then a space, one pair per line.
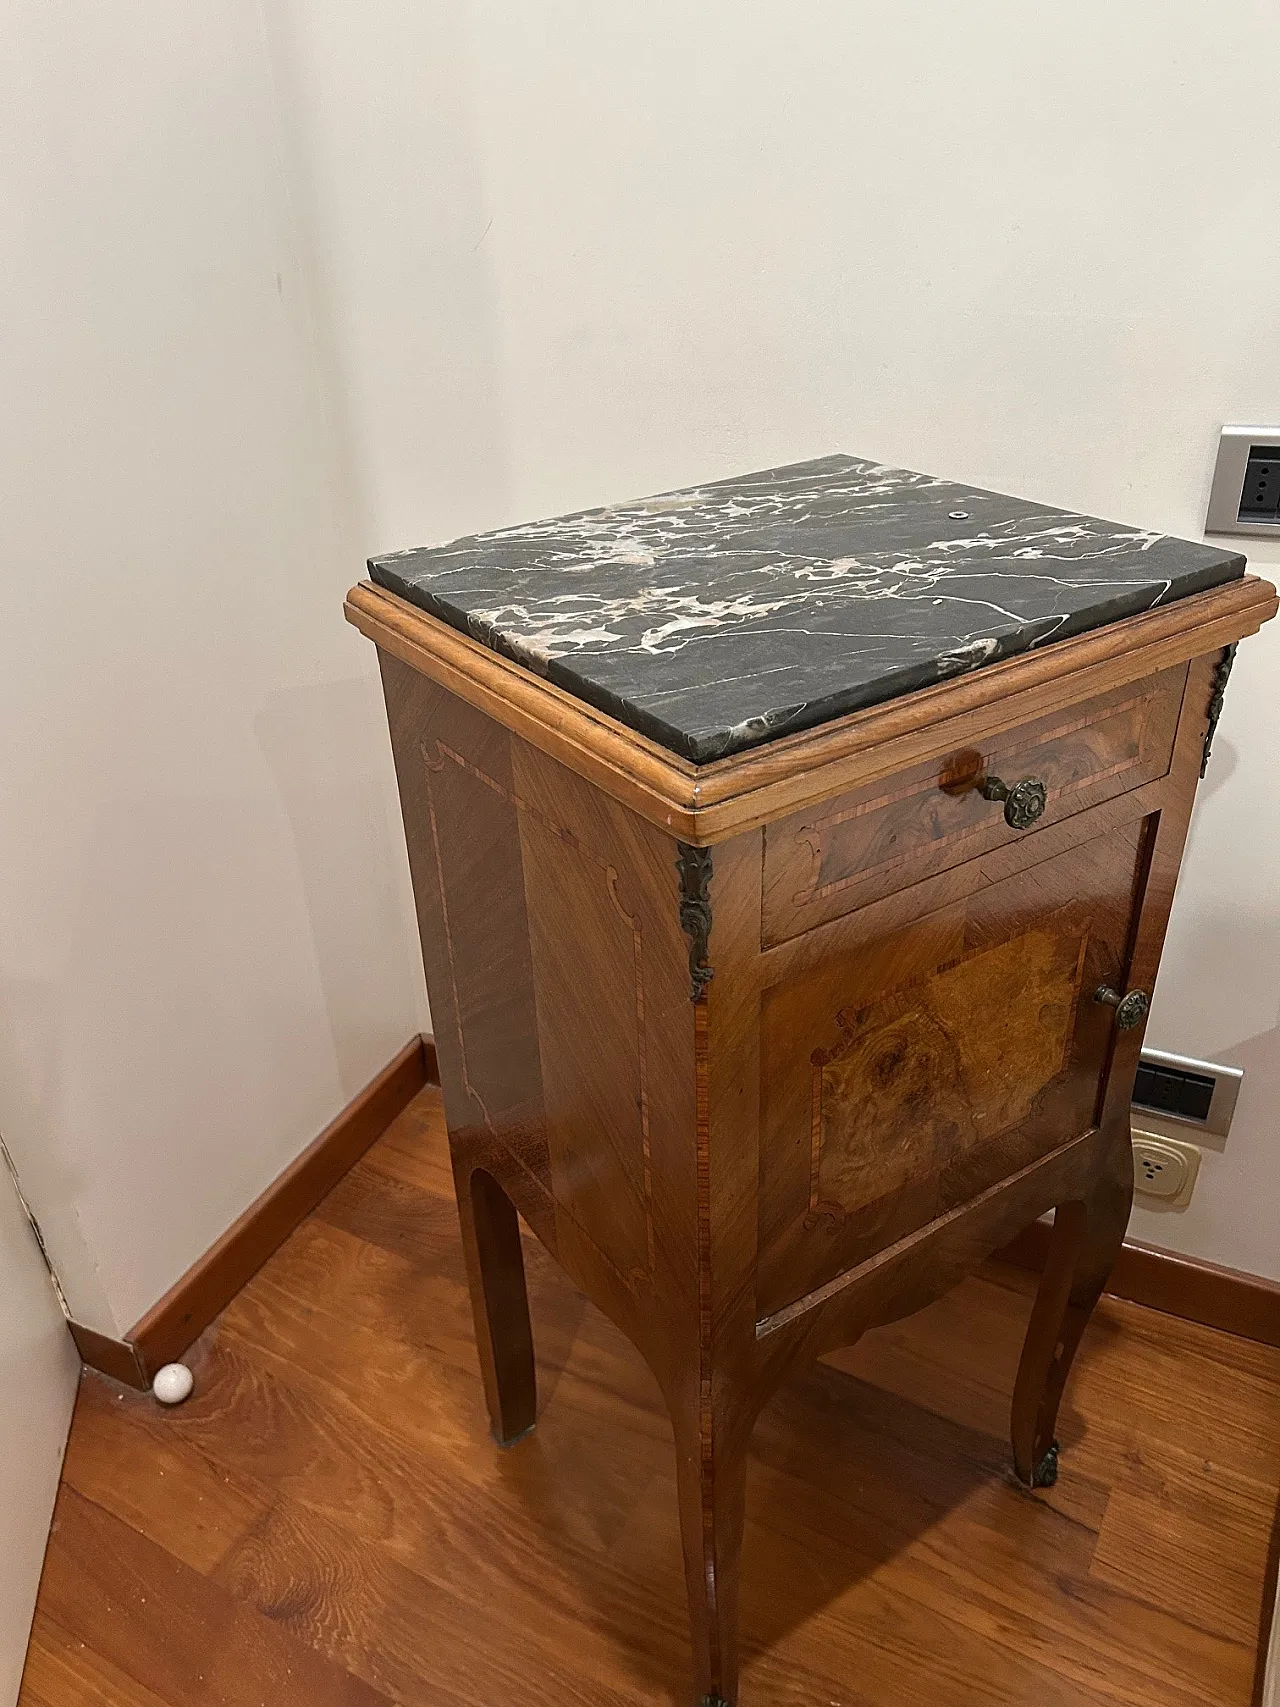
772, 1050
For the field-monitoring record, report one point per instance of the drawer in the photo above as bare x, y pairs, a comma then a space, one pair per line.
830, 860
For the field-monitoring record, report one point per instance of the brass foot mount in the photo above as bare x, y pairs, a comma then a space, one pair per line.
1045, 1473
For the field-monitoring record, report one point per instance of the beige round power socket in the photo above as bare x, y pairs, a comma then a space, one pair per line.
1164, 1170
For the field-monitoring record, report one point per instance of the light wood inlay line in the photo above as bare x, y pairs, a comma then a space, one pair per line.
637, 1277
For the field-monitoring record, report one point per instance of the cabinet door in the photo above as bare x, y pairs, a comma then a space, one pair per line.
912, 1070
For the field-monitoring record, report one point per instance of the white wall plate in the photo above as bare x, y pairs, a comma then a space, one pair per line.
1228, 483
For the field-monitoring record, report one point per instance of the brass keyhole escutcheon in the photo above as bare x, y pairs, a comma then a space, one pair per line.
1131, 1010
1023, 801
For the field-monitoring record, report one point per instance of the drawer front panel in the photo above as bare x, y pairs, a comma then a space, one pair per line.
827, 862
903, 1077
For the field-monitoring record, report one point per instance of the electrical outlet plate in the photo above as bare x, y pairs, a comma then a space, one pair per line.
1164, 1171
1228, 483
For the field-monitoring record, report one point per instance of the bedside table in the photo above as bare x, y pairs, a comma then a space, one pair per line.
793, 856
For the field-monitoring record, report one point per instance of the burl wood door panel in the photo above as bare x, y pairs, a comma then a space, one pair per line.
824, 863
904, 1075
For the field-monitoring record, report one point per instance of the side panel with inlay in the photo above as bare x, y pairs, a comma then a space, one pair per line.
559, 985
593, 1036
904, 1076
463, 833
614, 1020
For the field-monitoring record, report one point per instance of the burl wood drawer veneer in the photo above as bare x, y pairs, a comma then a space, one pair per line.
793, 858
820, 864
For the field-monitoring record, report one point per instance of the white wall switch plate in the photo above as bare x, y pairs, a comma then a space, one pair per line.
1165, 1094
1246, 479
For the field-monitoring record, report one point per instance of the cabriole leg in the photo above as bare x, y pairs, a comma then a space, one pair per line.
1087, 1237
711, 1478
499, 1301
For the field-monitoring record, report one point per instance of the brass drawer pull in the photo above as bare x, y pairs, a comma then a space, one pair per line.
1023, 802
1131, 1010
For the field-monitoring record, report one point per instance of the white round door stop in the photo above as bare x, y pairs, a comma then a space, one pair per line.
173, 1383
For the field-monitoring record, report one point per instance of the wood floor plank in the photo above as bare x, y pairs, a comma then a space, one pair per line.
411, 1635
1074, 1627
184, 1637
958, 1357
382, 1209
1162, 1541
536, 1524
327, 1520
542, 1527
929, 1506
64, 1671
127, 1458
413, 1150
330, 1290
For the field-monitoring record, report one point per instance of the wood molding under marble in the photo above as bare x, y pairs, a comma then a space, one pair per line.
209, 1285
702, 804
1246, 1305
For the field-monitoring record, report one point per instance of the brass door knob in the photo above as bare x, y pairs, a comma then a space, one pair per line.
1131, 1010
1023, 801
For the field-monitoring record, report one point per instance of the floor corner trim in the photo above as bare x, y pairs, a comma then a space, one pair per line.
213, 1280
116, 1358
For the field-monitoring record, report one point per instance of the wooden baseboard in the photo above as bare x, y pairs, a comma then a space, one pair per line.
116, 1358
209, 1285
1242, 1304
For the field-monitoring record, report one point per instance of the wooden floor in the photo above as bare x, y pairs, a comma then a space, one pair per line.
327, 1522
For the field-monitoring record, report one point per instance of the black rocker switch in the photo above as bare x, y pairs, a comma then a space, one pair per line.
1260, 496
1170, 1090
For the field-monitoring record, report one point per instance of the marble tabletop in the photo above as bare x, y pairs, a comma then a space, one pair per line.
724, 615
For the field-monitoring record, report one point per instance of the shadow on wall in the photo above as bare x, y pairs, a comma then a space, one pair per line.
1223, 764
319, 742
1220, 975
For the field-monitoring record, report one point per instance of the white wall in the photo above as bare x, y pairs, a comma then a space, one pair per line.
288, 282
38, 1373
572, 252
205, 940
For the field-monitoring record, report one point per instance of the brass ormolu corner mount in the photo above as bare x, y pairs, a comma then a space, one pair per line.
1045, 1473
694, 866
1216, 698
